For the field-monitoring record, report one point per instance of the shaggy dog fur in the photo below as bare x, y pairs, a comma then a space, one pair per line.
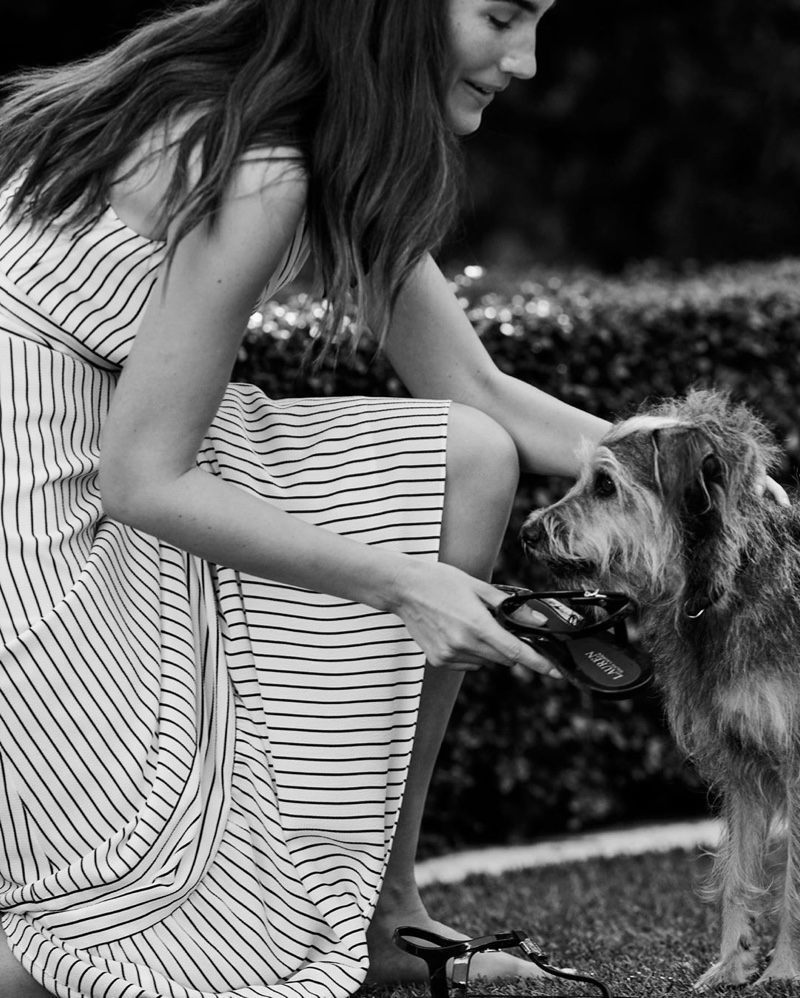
668, 510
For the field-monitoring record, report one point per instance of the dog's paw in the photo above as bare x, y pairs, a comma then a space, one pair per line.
736, 968
783, 966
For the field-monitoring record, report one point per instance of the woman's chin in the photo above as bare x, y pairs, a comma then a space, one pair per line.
464, 124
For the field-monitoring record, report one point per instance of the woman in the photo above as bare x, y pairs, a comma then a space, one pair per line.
216, 608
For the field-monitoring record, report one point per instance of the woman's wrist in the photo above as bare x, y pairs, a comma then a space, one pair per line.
392, 581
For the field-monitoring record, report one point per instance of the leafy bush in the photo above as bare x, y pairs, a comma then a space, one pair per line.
525, 759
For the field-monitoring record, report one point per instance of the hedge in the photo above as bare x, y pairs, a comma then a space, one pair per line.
524, 759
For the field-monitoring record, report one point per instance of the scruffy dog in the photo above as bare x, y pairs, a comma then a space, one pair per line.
667, 510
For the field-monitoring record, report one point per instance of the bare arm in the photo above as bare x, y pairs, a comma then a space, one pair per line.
436, 352
169, 392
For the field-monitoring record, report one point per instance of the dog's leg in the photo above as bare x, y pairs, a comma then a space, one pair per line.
738, 881
784, 963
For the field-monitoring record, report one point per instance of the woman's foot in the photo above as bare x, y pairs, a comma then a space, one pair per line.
389, 964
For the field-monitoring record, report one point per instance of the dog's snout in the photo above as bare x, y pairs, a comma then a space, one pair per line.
533, 531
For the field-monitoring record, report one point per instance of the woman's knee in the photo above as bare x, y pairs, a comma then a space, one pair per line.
481, 456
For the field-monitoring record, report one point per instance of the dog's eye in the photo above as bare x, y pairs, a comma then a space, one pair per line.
604, 486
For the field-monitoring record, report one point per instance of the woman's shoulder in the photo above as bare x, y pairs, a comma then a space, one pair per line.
140, 184
261, 167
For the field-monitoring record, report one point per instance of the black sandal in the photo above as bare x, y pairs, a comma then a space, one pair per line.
461, 951
591, 654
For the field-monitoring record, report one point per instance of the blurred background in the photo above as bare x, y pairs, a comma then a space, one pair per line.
631, 229
654, 130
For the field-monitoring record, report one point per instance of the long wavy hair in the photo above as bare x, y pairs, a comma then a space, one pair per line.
356, 86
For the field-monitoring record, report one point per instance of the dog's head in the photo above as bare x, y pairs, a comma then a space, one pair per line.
663, 507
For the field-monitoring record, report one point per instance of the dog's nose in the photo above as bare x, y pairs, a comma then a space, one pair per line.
532, 533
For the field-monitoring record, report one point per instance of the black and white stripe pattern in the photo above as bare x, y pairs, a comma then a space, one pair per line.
201, 771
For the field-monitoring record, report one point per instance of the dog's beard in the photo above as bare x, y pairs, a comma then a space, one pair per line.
588, 575
612, 569
569, 573
546, 546
546, 541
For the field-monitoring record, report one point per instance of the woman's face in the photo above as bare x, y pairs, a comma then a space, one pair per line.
491, 41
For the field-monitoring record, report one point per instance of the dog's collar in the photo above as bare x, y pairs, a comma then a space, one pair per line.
693, 609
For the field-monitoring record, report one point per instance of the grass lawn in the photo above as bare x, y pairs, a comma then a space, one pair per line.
634, 921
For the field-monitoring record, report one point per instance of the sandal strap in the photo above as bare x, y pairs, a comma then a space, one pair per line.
444, 945
536, 955
461, 951
592, 656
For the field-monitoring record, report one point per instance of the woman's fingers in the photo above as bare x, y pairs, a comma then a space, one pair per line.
488, 643
517, 654
528, 616
772, 488
451, 615
494, 597
513, 651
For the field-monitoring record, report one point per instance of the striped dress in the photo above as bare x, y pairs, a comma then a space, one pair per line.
201, 770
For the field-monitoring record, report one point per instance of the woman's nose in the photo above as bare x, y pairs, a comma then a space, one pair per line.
521, 60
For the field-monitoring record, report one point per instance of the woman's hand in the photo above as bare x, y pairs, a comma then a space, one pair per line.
768, 486
449, 614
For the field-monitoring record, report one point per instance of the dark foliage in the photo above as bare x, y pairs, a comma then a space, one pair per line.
664, 131
526, 759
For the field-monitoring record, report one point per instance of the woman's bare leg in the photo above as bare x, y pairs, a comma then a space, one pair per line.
482, 478
15, 981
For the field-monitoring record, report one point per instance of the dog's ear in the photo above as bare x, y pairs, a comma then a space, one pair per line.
695, 482
708, 486
689, 474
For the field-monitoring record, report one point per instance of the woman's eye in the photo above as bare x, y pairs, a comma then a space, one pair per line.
603, 485
501, 25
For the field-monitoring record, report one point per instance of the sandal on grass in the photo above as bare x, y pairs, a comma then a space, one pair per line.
436, 950
592, 653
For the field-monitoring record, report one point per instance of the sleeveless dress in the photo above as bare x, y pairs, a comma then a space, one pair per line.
201, 771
